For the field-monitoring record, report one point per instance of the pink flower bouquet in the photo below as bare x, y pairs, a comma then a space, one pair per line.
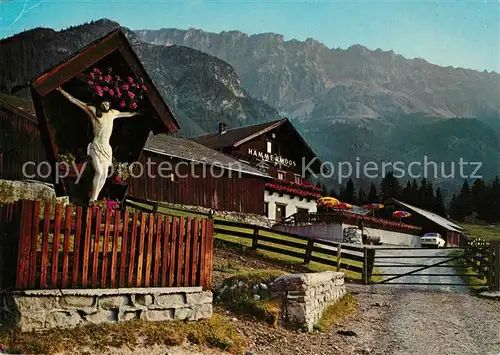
122, 93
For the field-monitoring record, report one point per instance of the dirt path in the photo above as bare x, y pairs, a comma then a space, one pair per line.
437, 319
444, 323
369, 326
399, 319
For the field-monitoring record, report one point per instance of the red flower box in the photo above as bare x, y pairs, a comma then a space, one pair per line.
373, 221
297, 189
118, 181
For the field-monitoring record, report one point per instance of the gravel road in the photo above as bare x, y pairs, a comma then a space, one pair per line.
435, 319
424, 322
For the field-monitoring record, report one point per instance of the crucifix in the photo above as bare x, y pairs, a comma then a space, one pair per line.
102, 117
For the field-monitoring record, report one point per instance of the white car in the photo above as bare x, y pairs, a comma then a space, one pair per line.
432, 240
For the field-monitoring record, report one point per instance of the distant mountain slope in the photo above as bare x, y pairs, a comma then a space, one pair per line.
358, 103
310, 81
201, 89
348, 104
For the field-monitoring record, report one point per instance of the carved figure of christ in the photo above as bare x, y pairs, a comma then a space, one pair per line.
99, 149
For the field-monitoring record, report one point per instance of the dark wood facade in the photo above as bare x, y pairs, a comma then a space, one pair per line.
276, 148
282, 151
20, 141
222, 190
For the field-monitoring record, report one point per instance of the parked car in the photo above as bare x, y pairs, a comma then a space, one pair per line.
432, 240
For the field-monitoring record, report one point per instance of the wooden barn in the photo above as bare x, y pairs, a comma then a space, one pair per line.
20, 140
188, 173
66, 129
429, 221
278, 149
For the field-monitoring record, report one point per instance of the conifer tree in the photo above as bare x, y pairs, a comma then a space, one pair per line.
372, 195
439, 207
479, 199
389, 187
349, 193
361, 197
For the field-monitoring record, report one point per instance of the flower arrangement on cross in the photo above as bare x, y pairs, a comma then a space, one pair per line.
122, 171
124, 93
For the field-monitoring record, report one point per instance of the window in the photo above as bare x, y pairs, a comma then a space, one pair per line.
266, 209
298, 180
281, 176
302, 210
269, 147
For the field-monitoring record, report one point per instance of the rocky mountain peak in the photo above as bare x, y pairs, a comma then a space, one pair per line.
307, 80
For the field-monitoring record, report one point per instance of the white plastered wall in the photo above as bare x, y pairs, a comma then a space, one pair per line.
292, 203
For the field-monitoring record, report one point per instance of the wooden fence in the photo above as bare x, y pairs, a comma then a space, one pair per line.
51, 246
308, 249
483, 257
476, 254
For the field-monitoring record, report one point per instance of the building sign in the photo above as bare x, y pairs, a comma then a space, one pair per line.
272, 158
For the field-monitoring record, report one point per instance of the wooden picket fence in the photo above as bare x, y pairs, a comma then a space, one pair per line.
51, 246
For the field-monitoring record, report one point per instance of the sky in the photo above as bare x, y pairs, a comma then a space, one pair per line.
459, 33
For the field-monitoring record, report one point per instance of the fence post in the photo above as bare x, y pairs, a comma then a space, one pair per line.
309, 247
494, 266
370, 262
339, 256
255, 237
364, 272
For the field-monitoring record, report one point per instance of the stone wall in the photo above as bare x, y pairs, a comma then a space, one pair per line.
43, 309
335, 233
391, 237
307, 295
12, 190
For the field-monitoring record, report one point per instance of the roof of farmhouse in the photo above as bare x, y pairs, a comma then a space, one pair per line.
190, 150
17, 105
443, 222
235, 137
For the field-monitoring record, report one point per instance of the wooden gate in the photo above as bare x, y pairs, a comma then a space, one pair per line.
473, 265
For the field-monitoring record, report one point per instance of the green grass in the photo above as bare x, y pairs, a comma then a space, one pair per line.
336, 313
173, 211
482, 231
255, 277
216, 332
240, 299
291, 261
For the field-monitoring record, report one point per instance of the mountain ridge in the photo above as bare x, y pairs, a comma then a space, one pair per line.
308, 80
311, 39
203, 90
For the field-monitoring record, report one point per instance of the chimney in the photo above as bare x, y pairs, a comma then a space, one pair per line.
222, 128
